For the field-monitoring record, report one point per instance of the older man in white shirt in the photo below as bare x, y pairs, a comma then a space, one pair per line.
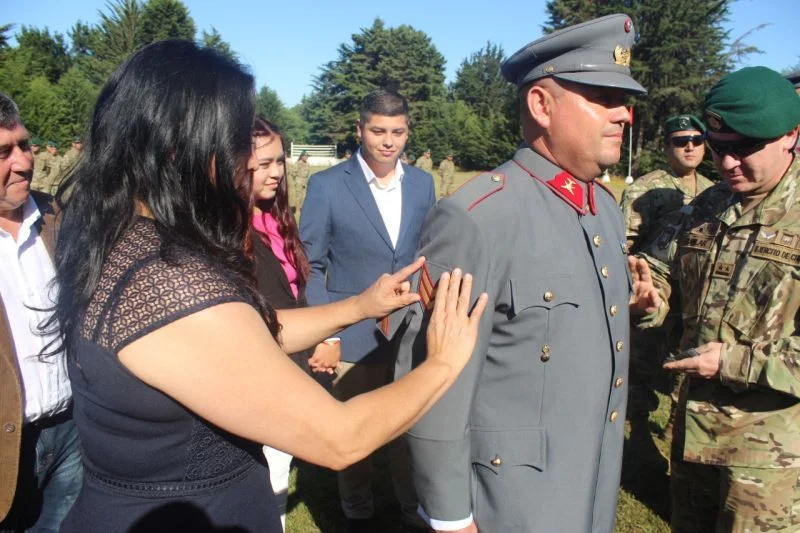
41, 470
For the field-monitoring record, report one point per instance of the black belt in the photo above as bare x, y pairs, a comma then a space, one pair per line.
48, 422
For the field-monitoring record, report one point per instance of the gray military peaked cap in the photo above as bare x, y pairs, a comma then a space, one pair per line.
597, 52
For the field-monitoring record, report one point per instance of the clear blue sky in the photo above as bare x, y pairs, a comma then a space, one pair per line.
286, 42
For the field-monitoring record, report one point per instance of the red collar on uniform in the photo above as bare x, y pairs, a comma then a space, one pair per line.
569, 189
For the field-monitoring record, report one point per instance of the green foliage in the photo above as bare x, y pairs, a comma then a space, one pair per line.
292, 125
402, 59
164, 19
214, 40
43, 54
481, 86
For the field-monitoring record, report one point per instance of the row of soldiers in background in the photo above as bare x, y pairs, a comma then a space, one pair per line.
49, 168
445, 175
725, 258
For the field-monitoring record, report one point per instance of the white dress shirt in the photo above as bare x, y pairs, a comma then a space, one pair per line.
389, 197
25, 287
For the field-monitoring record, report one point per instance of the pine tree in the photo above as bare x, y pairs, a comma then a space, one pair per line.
402, 59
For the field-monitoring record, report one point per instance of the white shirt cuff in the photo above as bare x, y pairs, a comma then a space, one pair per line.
444, 525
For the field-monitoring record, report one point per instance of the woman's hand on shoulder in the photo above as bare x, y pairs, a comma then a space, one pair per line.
453, 329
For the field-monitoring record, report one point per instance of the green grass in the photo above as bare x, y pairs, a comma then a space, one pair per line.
643, 505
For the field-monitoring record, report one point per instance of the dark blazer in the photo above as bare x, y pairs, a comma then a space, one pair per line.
274, 286
10, 381
348, 245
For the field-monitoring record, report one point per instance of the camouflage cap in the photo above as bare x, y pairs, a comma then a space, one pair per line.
683, 123
597, 52
794, 79
755, 102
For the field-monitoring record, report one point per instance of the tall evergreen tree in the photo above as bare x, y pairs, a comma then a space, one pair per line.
481, 86
165, 19
401, 58
214, 40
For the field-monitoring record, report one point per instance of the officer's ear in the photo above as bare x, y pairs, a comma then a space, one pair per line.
537, 101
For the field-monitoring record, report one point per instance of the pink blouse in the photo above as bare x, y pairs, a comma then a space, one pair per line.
267, 227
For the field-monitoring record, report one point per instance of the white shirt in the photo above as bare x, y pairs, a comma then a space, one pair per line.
25, 277
389, 197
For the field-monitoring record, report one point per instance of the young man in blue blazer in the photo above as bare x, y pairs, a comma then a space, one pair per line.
362, 218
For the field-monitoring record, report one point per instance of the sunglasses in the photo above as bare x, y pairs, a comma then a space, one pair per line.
680, 141
740, 148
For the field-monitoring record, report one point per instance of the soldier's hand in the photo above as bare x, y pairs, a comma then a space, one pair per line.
645, 298
705, 364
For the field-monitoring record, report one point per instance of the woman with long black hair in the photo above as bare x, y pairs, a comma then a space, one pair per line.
177, 363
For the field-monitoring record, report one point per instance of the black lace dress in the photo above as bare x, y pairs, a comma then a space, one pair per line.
152, 465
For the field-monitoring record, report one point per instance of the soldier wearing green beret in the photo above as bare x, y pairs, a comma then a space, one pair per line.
649, 205
735, 266
447, 171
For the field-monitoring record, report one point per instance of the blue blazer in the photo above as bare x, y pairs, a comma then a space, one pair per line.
348, 246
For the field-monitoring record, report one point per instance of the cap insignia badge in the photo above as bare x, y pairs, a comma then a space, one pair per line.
622, 56
628, 25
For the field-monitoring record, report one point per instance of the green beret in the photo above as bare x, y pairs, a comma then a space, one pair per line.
683, 123
303, 153
52, 143
76, 139
756, 102
36, 141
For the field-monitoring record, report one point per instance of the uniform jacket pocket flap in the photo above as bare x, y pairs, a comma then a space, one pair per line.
542, 291
497, 449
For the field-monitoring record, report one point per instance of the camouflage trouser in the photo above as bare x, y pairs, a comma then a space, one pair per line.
447, 186
732, 499
298, 193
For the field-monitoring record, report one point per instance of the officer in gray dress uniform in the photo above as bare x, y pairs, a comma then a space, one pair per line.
529, 439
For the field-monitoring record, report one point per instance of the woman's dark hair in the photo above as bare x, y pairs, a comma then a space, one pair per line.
171, 130
279, 207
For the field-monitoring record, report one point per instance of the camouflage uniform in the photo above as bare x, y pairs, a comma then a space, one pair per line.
447, 170
426, 164
649, 205
41, 169
738, 275
298, 175
50, 184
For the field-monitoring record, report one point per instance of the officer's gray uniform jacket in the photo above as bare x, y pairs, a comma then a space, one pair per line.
529, 438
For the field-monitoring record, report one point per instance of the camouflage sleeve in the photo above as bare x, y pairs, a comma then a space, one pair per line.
633, 214
772, 365
662, 274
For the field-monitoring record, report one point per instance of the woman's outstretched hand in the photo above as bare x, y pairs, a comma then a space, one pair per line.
453, 330
389, 292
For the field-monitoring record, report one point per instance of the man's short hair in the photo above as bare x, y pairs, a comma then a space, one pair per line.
9, 112
383, 102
